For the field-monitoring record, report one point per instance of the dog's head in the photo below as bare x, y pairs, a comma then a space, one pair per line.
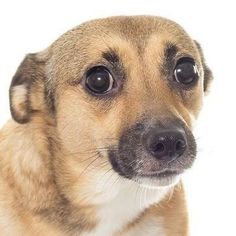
123, 93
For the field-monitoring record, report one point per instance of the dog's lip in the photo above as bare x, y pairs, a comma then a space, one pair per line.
161, 174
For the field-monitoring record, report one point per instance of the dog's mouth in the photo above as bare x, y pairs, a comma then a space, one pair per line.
161, 179
162, 174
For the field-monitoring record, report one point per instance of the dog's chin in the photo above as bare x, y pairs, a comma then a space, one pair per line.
156, 181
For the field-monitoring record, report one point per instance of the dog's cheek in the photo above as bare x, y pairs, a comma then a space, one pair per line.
194, 103
75, 123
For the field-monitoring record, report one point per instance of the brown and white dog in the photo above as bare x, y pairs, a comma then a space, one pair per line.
101, 132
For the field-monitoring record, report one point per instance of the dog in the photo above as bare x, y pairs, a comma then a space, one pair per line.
102, 131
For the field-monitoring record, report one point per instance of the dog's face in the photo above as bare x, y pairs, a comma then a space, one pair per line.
123, 92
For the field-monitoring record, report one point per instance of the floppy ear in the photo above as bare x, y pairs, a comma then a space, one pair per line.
207, 72
27, 89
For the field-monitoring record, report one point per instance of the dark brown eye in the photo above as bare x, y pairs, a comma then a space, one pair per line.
99, 80
186, 71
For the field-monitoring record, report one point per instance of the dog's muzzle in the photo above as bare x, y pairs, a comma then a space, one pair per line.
154, 149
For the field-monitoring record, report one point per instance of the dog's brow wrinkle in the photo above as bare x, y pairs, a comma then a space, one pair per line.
111, 56
170, 51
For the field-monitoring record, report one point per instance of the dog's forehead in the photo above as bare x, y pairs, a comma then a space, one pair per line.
129, 36
137, 30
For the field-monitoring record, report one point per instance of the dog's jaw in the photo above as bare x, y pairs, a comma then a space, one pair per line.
165, 182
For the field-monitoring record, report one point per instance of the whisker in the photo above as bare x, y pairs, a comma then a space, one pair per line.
181, 164
86, 168
93, 150
171, 193
109, 177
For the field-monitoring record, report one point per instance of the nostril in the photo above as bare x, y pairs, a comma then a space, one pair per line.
159, 147
180, 146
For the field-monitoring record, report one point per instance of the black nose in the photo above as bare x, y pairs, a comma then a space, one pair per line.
166, 144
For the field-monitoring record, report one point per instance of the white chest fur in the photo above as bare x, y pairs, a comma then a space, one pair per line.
124, 208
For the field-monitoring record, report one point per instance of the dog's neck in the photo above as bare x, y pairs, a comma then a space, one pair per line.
125, 208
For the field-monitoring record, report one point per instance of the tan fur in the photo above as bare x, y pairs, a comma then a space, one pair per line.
49, 166
168, 210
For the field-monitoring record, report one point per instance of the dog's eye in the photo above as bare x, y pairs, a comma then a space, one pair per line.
99, 80
186, 71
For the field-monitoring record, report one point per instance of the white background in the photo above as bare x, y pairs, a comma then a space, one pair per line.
30, 26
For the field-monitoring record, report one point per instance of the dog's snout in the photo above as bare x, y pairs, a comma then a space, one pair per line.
165, 144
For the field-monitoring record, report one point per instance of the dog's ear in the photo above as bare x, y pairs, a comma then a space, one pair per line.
207, 72
27, 90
